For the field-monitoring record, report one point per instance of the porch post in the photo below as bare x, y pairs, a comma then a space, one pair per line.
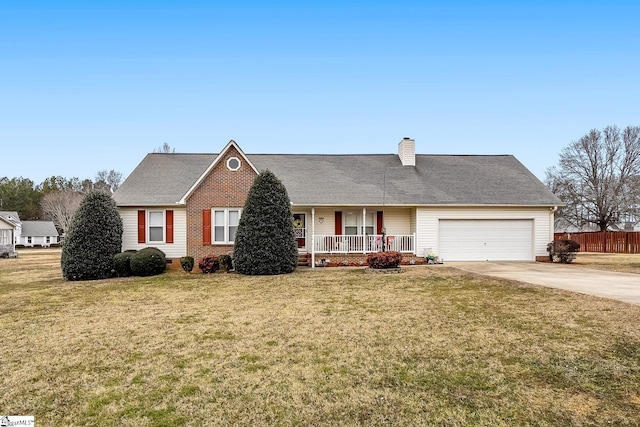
313, 237
364, 232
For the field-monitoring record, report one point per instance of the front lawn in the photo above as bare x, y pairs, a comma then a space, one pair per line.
432, 346
626, 263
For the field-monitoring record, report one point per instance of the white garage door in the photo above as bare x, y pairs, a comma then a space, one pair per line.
486, 240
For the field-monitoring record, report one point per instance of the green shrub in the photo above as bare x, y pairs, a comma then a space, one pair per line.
265, 242
93, 239
209, 264
226, 262
187, 263
122, 263
563, 251
148, 262
384, 259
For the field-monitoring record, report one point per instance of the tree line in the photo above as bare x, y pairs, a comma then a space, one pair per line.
56, 198
598, 179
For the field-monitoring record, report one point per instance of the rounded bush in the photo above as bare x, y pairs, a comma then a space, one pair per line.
226, 262
563, 251
122, 263
148, 262
93, 239
187, 263
384, 259
209, 264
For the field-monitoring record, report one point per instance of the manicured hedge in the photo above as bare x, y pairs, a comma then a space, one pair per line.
384, 259
209, 264
187, 263
148, 262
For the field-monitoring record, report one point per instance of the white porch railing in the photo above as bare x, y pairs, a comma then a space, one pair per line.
363, 244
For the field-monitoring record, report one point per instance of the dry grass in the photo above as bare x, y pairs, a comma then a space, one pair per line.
432, 346
627, 263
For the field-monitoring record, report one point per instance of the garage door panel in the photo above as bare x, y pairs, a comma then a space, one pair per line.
482, 240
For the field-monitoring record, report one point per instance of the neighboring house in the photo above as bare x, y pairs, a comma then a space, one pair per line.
38, 233
10, 231
7, 245
459, 207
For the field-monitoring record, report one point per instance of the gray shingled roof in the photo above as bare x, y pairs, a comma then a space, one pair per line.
10, 216
338, 180
38, 228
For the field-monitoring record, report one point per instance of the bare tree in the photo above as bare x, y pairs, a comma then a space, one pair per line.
598, 177
60, 206
165, 148
107, 181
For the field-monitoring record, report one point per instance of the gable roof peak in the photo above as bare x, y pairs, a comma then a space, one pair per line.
219, 157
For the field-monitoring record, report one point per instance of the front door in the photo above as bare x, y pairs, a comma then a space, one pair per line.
300, 230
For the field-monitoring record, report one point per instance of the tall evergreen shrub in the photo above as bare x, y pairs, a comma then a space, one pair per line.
94, 237
265, 242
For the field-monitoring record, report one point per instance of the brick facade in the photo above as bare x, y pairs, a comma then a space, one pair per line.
360, 260
221, 188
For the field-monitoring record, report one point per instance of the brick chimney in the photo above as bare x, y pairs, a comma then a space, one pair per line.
407, 152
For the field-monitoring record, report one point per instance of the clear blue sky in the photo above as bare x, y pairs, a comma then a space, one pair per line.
89, 85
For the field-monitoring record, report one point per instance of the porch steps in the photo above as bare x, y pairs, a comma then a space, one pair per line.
304, 260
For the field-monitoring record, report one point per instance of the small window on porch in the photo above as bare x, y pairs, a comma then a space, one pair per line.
351, 224
370, 224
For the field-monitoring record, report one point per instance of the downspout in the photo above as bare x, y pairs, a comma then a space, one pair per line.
551, 222
313, 237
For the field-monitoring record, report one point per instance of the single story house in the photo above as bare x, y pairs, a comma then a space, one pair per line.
457, 207
38, 233
10, 231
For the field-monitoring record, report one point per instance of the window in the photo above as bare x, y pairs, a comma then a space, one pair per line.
225, 225
29, 240
370, 224
5, 237
233, 163
156, 226
353, 223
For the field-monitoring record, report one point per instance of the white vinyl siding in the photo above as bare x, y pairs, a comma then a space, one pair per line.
397, 221
176, 249
427, 224
328, 224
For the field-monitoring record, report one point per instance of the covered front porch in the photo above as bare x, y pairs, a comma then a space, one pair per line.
328, 244
352, 231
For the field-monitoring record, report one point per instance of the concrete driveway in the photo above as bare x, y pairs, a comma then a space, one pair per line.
620, 286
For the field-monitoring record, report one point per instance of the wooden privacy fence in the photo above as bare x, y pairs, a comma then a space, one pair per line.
619, 242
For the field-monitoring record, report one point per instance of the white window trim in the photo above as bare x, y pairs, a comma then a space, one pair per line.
164, 225
225, 225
